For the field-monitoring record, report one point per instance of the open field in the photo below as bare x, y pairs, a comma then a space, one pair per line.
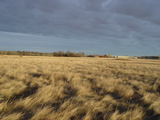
50, 88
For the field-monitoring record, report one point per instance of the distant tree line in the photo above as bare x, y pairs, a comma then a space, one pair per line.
56, 54
149, 57
68, 54
65, 54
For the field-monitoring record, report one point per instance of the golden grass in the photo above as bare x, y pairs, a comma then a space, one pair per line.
52, 88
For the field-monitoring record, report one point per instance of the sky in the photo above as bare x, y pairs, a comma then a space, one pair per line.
117, 27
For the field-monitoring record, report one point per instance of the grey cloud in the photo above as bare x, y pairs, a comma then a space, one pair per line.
92, 5
53, 16
129, 23
125, 22
144, 9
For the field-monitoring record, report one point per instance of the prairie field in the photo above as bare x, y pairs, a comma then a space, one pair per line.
58, 88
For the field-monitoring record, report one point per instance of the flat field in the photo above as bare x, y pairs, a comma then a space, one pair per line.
52, 88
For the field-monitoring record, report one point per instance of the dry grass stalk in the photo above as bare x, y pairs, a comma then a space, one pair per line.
50, 88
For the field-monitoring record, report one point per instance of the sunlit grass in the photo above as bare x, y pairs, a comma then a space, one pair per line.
52, 88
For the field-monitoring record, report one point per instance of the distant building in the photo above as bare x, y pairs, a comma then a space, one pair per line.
126, 57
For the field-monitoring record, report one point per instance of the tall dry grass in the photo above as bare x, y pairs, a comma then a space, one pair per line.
50, 88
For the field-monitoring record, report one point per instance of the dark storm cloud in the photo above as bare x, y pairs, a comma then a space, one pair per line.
124, 22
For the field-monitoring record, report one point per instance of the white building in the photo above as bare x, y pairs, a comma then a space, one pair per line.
126, 57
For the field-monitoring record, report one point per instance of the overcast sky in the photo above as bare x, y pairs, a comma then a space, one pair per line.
118, 27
